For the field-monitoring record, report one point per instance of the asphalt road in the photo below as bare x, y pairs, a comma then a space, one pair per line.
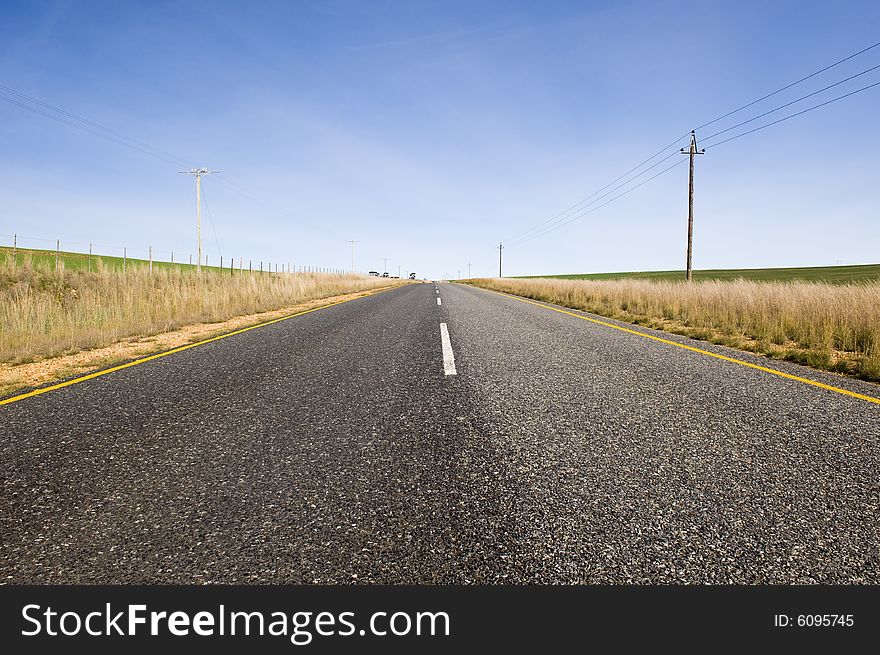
333, 447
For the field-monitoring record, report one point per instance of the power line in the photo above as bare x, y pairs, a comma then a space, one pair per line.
581, 202
604, 195
757, 129
68, 118
790, 116
61, 115
211, 220
104, 135
542, 228
229, 184
793, 102
788, 86
608, 202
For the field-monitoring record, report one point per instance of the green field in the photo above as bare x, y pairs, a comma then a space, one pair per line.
830, 274
79, 261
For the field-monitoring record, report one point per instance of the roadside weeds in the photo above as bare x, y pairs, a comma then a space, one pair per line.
827, 327
15, 378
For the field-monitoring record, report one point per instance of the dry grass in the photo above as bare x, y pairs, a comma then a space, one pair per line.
833, 327
45, 314
18, 377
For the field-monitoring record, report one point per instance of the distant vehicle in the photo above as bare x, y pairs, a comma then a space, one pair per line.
385, 274
374, 273
412, 276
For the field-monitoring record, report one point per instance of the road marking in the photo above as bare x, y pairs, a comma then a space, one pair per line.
438, 302
97, 374
448, 357
725, 358
437, 290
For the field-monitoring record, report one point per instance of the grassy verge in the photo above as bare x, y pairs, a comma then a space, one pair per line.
77, 261
47, 314
829, 274
827, 326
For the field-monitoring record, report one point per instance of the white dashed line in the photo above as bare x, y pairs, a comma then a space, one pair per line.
438, 302
448, 357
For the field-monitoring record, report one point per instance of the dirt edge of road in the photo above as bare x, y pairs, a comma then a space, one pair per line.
15, 379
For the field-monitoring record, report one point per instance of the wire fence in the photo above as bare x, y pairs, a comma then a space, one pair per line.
18, 248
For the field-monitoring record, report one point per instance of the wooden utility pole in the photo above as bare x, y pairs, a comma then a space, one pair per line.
692, 151
500, 248
352, 242
197, 173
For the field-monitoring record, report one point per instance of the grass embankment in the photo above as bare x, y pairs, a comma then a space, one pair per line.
827, 326
48, 314
829, 274
77, 261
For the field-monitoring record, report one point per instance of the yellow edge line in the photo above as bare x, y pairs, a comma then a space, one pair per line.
789, 376
165, 353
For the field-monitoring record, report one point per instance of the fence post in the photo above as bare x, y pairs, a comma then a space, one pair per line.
151, 260
57, 252
250, 266
261, 266
172, 256
190, 259
90, 258
124, 258
206, 261
221, 262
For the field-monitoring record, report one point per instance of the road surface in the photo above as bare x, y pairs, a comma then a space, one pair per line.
442, 434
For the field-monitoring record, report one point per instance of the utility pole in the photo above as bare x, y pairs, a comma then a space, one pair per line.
692, 150
500, 248
469, 270
385, 267
352, 242
198, 172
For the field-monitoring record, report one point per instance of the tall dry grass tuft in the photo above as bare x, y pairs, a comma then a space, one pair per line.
828, 326
44, 313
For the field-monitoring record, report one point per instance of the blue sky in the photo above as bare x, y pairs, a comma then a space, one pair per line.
429, 131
